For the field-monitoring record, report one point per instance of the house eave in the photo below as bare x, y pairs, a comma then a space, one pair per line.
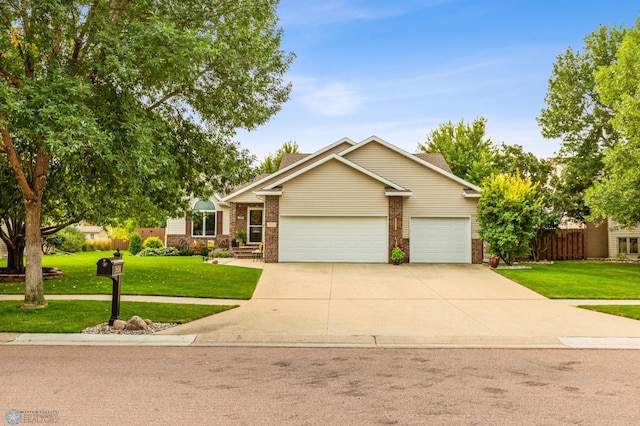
392, 193
267, 192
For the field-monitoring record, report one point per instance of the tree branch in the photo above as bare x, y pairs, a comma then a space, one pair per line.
14, 162
164, 99
15, 81
53, 229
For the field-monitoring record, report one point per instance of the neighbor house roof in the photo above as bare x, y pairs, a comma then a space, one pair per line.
289, 159
436, 159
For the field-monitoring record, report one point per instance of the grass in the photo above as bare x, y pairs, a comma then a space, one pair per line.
64, 316
584, 280
580, 279
155, 276
629, 311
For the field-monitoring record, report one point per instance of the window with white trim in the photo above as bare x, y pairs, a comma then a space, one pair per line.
628, 245
203, 219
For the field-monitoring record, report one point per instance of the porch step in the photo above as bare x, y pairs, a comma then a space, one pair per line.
245, 252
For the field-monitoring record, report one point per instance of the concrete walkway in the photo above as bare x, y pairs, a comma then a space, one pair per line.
373, 305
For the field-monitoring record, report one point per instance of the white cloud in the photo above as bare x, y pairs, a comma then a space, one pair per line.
334, 99
315, 13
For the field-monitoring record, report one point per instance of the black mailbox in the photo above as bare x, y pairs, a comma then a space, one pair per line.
110, 267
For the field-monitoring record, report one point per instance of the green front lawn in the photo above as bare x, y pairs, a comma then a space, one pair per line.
160, 276
629, 311
65, 316
580, 279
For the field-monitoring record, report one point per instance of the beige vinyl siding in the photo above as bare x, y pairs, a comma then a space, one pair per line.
615, 233
597, 240
225, 219
3, 249
434, 195
176, 226
323, 191
249, 197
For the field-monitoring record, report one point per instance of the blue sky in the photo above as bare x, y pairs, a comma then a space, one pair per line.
399, 68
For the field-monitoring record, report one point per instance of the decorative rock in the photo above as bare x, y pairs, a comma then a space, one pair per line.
148, 322
119, 325
136, 323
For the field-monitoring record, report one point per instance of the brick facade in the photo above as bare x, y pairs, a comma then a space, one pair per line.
271, 217
476, 251
395, 225
187, 241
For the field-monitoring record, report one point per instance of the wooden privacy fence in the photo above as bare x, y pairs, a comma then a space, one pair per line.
566, 244
144, 234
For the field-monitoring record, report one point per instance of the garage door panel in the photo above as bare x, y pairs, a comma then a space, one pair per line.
333, 239
440, 240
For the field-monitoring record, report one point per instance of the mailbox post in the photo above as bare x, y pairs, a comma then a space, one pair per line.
112, 268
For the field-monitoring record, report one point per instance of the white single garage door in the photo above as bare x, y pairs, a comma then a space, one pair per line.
333, 239
440, 240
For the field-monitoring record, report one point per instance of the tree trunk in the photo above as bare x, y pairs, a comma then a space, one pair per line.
33, 284
15, 258
14, 238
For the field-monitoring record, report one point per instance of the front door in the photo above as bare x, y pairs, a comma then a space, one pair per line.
255, 226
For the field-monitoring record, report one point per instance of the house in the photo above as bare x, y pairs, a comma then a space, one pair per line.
348, 202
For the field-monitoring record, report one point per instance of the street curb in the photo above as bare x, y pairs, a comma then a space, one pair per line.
45, 339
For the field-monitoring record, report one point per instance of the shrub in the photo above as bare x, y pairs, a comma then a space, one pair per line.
204, 251
73, 239
152, 242
222, 253
135, 244
186, 252
169, 251
508, 211
52, 242
88, 247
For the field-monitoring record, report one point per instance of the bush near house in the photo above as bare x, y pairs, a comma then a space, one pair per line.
153, 243
135, 244
73, 239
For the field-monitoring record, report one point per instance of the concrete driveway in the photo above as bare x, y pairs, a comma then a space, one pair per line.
407, 305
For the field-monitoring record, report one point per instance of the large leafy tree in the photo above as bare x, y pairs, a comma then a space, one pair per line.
271, 162
130, 104
466, 148
578, 116
616, 195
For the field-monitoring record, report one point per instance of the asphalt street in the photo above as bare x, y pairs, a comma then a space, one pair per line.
311, 386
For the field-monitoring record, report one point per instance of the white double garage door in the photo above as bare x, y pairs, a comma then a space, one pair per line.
365, 239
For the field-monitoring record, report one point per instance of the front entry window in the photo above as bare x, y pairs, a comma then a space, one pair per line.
255, 226
204, 219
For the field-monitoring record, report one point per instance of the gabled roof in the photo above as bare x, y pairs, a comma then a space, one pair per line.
411, 157
390, 185
257, 183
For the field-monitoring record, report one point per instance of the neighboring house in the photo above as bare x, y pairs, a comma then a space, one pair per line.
606, 240
353, 202
92, 232
609, 240
3, 249
208, 222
